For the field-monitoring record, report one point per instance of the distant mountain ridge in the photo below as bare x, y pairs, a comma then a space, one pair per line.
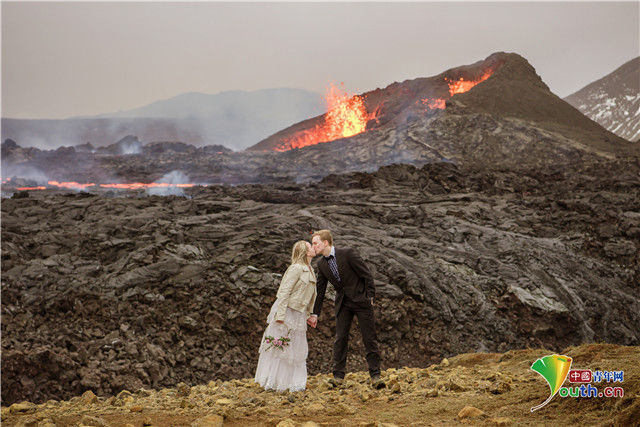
613, 101
259, 103
235, 119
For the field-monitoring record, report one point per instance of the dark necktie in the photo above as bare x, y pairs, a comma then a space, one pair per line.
333, 266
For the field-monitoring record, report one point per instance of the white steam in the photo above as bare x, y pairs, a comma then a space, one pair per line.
28, 173
130, 147
172, 178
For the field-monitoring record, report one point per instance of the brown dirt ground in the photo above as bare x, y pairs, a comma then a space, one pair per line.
501, 385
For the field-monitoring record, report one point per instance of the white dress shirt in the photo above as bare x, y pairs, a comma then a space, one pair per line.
333, 252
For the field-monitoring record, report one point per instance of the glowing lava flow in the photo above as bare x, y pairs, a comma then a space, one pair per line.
72, 185
455, 86
461, 85
137, 185
346, 116
433, 103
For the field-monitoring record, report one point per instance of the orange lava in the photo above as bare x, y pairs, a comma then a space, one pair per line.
461, 85
346, 116
132, 186
138, 185
455, 86
433, 103
70, 185
31, 188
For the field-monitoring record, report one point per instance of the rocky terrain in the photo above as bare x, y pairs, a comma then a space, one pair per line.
613, 101
127, 160
108, 291
469, 389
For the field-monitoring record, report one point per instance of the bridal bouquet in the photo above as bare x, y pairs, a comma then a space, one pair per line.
280, 343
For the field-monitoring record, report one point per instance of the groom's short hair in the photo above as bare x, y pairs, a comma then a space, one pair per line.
324, 235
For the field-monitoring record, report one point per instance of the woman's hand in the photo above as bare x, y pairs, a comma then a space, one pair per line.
312, 321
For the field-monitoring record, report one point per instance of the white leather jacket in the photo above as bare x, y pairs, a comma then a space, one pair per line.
297, 290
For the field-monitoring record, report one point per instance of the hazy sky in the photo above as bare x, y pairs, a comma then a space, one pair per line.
69, 59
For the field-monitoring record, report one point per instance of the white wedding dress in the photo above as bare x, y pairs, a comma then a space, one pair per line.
285, 369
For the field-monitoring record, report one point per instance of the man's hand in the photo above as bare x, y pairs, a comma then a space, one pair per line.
371, 300
312, 321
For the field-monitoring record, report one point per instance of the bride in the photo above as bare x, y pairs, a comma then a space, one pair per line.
282, 363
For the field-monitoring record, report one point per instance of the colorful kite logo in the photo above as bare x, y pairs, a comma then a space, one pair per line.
554, 370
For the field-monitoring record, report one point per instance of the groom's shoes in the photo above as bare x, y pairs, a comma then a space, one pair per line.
377, 383
336, 381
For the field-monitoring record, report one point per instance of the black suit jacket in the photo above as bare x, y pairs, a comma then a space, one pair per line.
356, 280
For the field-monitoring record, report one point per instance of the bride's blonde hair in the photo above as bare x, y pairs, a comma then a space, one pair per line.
299, 252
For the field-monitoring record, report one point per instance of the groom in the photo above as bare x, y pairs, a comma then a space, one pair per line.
355, 292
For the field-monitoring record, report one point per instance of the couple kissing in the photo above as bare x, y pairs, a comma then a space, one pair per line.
282, 362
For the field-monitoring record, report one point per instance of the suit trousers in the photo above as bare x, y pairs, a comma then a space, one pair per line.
366, 322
